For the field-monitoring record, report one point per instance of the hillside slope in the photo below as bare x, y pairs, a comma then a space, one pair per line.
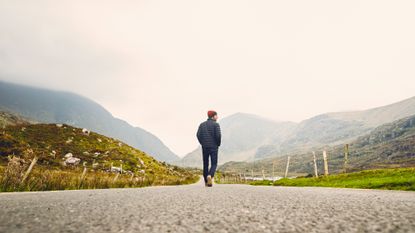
7, 119
62, 147
342, 127
47, 106
389, 145
380, 115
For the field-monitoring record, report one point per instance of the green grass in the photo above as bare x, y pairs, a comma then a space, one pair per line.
393, 179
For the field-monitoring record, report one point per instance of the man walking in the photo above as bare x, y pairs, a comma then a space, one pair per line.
209, 137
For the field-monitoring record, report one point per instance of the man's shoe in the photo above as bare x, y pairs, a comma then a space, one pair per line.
209, 181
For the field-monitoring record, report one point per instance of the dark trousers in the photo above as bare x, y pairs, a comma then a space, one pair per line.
213, 154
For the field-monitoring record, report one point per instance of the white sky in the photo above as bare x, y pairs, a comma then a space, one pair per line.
161, 65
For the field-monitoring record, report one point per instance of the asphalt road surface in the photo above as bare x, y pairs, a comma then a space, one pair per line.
223, 208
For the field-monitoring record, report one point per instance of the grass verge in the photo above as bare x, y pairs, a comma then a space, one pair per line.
392, 179
45, 179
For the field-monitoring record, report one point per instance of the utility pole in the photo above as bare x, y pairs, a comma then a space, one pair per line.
326, 165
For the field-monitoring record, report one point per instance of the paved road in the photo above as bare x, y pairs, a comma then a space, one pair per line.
223, 208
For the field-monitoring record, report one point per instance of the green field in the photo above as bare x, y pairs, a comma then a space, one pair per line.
393, 179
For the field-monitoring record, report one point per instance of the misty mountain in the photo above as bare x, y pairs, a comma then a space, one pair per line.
341, 127
47, 106
249, 137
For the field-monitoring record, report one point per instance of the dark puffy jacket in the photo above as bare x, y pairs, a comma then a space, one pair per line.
209, 134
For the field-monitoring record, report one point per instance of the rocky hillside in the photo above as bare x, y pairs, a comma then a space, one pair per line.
10, 119
48, 106
389, 145
60, 146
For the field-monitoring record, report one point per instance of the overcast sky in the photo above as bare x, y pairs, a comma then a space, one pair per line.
161, 65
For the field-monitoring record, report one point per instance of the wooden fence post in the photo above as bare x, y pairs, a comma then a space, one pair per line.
83, 174
315, 164
81, 180
326, 166
32, 164
288, 165
346, 157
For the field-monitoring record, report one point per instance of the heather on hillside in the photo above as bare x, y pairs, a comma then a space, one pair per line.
74, 158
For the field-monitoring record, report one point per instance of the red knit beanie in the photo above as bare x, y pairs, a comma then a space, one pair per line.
211, 113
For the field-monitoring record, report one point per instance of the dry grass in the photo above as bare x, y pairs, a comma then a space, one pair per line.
50, 143
43, 178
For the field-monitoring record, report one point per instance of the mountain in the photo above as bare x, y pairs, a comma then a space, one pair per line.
244, 135
252, 137
381, 115
63, 147
389, 145
47, 106
7, 119
341, 127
